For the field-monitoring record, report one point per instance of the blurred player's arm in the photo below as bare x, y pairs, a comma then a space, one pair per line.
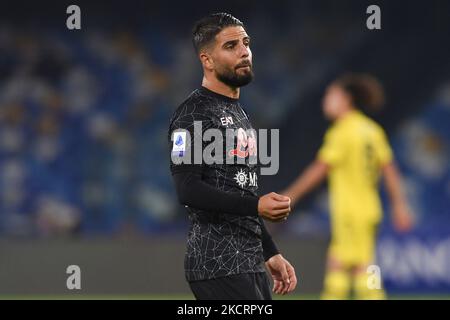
401, 216
330, 153
194, 192
307, 181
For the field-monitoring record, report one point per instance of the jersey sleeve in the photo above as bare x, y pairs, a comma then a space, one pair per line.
192, 191
383, 149
332, 150
185, 138
269, 247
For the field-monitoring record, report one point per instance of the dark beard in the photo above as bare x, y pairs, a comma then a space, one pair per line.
232, 79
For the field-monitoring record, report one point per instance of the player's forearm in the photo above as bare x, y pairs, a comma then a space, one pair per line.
195, 193
393, 184
307, 181
269, 247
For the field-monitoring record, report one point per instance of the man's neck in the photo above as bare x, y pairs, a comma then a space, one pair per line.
221, 88
345, 113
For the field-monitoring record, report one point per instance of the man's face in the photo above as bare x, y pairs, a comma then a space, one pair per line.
335, 102
231, 57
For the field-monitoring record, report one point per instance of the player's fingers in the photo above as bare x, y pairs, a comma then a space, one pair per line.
276, 286
280, 197
279, 217
287, 285
285, 288
292, 277
284, 274
280, 205
292, 285
277, 220
281, 287
279, 213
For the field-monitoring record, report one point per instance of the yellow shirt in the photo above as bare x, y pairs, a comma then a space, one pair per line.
355, 148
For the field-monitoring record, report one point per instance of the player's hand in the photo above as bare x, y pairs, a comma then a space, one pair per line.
283, 274
288, 193
402, 218
274, 207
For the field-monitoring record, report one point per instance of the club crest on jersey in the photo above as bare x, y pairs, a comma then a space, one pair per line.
242, 178
246, 145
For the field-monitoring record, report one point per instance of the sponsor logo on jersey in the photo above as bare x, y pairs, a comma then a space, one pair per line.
246, 145
226, 121
243, 178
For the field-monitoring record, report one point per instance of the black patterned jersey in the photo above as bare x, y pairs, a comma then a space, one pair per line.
219, 244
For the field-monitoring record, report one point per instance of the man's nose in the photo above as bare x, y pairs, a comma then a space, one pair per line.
245, 51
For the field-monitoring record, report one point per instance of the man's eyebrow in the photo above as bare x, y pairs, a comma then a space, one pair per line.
235, 41
230, 42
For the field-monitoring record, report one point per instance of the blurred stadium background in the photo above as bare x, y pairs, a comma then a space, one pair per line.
84, 173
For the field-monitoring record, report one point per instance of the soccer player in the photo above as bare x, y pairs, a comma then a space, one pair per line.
228, 246
355, 151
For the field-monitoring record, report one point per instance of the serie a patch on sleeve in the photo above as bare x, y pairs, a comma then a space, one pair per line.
179, 143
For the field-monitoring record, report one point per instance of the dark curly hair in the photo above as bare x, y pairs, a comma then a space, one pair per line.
365, 90
208, 27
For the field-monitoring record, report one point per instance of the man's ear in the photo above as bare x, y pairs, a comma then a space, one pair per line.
206, 60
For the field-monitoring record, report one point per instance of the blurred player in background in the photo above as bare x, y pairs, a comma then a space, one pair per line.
354, 153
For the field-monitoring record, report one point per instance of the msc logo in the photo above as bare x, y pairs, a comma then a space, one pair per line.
242, 178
